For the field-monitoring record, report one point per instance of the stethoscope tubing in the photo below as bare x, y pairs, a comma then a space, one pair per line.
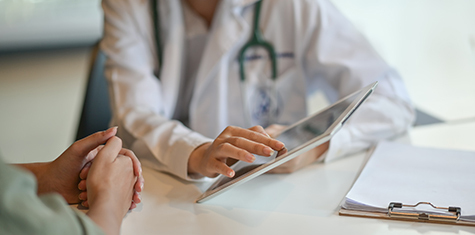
256, 40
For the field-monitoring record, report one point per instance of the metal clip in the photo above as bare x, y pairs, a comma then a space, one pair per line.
454, 211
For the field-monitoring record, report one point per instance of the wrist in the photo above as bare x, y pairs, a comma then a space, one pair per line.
106, 217
196, 157
40, 171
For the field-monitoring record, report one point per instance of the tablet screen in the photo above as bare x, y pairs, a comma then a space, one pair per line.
294, 137
298, 138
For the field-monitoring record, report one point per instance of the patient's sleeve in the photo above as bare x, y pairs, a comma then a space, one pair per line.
23, 212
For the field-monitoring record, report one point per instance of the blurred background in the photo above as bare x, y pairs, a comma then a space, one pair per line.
45, 57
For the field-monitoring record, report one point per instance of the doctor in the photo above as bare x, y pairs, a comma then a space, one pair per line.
187, 98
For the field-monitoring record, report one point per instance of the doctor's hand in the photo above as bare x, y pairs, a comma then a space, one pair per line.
300, 161
233, 144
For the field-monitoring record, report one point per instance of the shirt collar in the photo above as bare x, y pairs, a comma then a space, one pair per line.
243, 3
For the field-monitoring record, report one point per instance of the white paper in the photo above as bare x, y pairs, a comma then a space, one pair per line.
407, 174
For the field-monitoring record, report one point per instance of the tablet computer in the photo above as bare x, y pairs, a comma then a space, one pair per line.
298, 138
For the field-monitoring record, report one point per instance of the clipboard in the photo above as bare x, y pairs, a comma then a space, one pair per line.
395, 160
451, 216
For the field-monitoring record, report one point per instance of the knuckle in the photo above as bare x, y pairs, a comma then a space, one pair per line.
74, 148
272, 142
253, 135
220, 139
127, 161
258, 148
223, 146
130, 153
119, 140
236, 140
242, 154
258, 128
217, 165
229, 129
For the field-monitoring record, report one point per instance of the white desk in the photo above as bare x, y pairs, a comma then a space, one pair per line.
305, 202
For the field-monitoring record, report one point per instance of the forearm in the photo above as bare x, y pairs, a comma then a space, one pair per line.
195, 160
167, 144
38, 169
106, 217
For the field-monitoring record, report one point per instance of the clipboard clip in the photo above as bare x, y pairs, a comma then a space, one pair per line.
453, 211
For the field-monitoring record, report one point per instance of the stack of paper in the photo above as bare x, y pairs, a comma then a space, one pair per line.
407, 174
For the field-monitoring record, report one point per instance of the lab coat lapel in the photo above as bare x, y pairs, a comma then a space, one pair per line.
227, 35
225, 32
173, 53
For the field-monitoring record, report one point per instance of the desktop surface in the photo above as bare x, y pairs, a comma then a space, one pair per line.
305, 202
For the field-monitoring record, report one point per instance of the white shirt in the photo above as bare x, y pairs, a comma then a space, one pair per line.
318, 48
196, 38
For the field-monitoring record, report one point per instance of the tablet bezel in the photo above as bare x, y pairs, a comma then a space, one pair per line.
326, 136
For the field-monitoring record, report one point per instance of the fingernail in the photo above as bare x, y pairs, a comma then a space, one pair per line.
231, 173
268, 151
141, 186
250, 158
110, 130
79, 196
280, 145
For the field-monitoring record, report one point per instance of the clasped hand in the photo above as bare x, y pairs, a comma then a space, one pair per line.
63, 174
122, 152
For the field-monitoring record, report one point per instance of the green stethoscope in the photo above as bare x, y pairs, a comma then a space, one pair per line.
255, 41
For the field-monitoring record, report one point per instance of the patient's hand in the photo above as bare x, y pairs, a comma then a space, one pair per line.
62, 175
300, 161
136, 199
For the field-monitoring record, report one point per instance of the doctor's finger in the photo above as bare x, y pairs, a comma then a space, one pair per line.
220, 167
248, 145
259, 137
274, 129
237, 152
259, 129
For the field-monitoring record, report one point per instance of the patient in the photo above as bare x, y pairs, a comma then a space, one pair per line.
39, 207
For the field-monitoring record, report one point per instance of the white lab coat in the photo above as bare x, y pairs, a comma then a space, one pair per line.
320, 49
